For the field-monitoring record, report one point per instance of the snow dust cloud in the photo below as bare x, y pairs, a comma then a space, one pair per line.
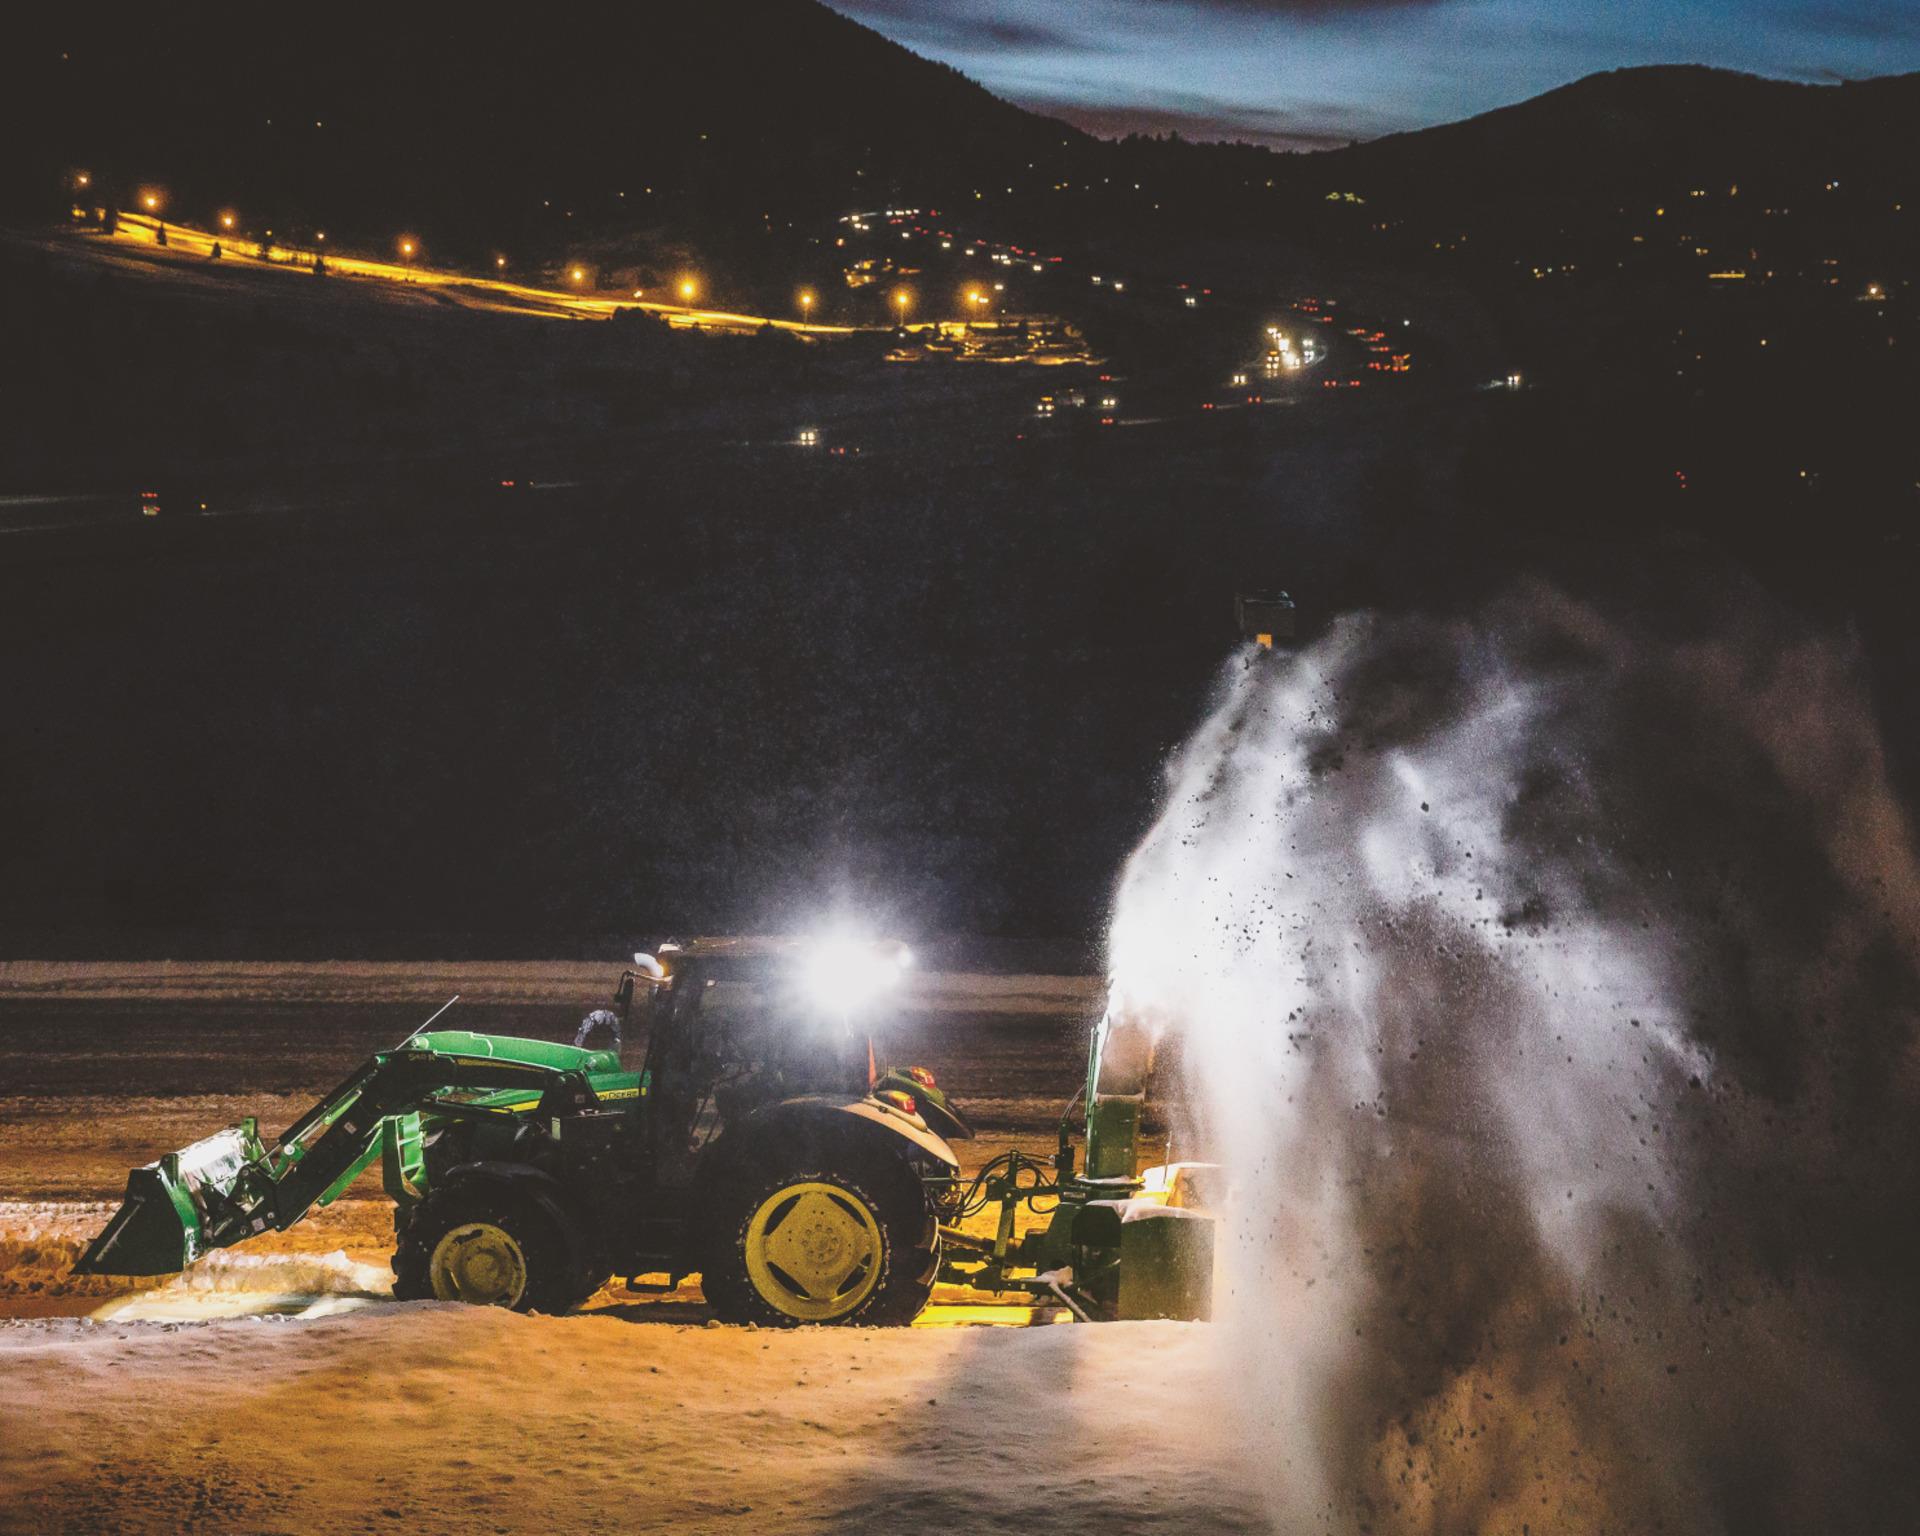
1550, 989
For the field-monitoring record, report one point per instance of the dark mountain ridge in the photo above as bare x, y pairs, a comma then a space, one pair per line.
1633, 129
479, 131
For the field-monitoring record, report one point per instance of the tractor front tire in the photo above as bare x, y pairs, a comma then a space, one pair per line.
484, 1242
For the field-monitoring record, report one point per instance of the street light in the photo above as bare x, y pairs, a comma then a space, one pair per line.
688, 288
408, 245
806, 302
901, 299
226, 221
150, 201
500, 263
82, 179
577, 274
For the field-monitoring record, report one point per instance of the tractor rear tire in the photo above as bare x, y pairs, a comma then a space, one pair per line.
863, 1246
485, 1242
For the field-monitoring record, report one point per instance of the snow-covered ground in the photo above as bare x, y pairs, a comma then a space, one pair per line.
426, 1418
277, 1386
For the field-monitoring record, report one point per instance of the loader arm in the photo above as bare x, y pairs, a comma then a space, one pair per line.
232, 1185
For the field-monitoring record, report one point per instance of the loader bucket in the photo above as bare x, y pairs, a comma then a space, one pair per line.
163, 1224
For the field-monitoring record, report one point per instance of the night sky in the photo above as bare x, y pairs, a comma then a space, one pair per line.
1308, 74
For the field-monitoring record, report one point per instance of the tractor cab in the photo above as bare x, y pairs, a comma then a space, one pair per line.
736, 1025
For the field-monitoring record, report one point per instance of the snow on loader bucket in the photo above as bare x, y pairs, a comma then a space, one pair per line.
172, 1204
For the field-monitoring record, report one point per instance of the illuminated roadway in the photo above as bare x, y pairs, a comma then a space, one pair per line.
142, 229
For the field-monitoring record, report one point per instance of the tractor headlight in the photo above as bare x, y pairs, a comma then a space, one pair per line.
842, 975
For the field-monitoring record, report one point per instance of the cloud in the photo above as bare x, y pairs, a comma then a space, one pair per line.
1311, 10
1878, 23
1316, 125
938, 26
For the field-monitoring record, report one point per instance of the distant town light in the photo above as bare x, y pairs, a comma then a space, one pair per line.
82, 179
500, 262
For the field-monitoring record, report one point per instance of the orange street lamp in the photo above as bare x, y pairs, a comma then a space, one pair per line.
150, 201
688, 288
226, 221
408, 245
82, 179
500, 262
577, 274
806, 301
901, 299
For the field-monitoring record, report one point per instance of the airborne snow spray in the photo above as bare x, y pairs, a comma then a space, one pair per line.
1551, 994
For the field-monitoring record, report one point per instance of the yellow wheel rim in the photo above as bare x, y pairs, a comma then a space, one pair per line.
814, 1251
478, 1263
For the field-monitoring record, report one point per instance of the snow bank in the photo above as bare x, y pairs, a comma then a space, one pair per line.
430, 1419
41, 1240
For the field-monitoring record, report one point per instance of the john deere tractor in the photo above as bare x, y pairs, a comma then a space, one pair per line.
759, 1146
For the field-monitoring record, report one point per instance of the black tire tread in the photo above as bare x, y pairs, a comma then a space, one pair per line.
888, 1186
553, 1281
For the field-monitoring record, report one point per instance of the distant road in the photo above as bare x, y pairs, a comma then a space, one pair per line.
484, 292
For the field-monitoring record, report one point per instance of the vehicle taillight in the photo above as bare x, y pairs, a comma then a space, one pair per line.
922, 1075
900, 1101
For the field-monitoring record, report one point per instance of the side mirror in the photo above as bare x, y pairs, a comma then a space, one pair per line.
648, 965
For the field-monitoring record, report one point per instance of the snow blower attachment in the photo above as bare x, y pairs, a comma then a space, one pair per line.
1119, 1243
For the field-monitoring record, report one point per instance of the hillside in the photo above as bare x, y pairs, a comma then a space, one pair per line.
476, 133
1629, 131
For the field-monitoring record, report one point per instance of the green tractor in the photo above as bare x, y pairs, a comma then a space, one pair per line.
760, 1146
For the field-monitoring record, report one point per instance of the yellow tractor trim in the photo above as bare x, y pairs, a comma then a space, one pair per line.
814, 1251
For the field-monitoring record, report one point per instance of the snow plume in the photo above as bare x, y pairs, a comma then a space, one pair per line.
1551, 992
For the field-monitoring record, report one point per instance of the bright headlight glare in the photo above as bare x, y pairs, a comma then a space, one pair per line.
844, 975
